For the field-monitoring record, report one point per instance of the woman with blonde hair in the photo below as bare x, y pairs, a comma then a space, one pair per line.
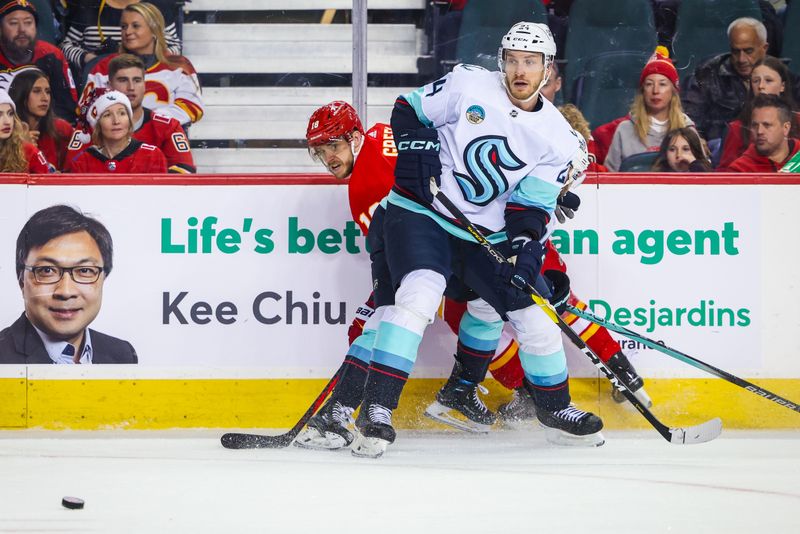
172, 87
114, 150
579, 123
94, 30
16, 154
655, 111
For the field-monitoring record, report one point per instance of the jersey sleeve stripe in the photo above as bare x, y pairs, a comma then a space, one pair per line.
414, 98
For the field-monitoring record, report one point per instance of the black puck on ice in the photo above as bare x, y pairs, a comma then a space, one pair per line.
73, 503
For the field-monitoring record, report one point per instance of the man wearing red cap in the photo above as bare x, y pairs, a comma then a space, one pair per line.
656, 110
19, 50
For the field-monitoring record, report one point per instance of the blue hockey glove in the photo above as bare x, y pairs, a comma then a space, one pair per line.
559, 287
529, 257
566, 206
417, 161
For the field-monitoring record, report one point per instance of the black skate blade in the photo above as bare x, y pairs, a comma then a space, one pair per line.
236, 440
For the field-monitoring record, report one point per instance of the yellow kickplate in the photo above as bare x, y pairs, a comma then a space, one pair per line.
279, 403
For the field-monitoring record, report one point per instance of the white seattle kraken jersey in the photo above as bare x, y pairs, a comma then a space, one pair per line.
492, 152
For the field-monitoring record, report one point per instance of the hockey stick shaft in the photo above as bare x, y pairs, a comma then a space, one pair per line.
245, 441
685, 358
673, 435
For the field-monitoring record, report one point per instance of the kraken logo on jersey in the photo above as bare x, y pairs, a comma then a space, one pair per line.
485, 158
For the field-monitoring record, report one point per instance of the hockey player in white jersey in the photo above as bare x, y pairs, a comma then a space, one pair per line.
503, 155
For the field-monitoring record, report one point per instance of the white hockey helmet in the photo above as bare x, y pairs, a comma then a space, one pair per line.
528, 37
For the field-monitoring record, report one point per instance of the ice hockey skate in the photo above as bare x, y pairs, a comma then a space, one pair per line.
624, 370
458, 405
375, 431
519, 410
571, 426
328, 429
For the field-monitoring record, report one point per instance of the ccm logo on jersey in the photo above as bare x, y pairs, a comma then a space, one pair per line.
418, 145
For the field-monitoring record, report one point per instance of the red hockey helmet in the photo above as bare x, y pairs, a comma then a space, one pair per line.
336, 120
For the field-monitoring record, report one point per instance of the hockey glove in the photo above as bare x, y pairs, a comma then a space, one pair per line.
529, 257
417, 161
566, 206
559, 283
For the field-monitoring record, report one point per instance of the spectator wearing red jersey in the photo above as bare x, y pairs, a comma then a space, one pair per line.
113, 148
126, 75
17, 155
172, 87
19, 49
769, 127
31, 94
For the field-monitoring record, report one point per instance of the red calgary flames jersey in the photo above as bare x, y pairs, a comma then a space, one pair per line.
373, 174
167, 134
37, 163
173, 90
158, 130
137, 158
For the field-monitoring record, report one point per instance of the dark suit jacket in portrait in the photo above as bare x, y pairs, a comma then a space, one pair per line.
21, 344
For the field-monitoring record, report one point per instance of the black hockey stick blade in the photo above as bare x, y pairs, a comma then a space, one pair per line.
694, 362
242, 440
236, 440
681, 436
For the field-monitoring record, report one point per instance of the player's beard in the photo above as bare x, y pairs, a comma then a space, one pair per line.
525, 94
18, 50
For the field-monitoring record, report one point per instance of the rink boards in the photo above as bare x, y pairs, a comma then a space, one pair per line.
237, 291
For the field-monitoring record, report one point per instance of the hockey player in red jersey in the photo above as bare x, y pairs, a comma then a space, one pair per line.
113, 148
337, 139
126, 75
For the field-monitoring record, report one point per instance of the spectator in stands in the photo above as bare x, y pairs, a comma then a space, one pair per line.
126, 74
579, 123
448, 25
16, 154
770, 76
19, 48
715, 93
30, 92
113, 148
63, 259
553, 86
172, 87
94, 29
771, 148
682, 151
656, 110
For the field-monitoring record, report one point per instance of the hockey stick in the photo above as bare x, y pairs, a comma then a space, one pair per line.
685, 358
237, 440
696, 434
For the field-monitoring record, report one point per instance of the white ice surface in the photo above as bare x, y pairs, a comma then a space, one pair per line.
428, 482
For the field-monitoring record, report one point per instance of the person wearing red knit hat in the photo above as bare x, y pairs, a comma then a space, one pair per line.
656, 109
